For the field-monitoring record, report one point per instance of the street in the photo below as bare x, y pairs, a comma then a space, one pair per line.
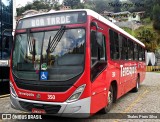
147, 100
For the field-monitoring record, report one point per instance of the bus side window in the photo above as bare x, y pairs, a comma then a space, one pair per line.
140, 53
98, 56
130, 50
114, 45
94, 48
124, 48
143, 54
103, 50
135, 51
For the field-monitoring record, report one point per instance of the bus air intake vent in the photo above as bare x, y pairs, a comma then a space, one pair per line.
50, 109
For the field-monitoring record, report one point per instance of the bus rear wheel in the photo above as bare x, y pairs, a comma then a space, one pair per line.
107, 108
136, 88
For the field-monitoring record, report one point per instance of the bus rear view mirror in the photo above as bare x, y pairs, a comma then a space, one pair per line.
94, 24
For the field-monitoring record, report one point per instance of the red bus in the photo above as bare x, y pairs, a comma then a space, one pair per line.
73, 63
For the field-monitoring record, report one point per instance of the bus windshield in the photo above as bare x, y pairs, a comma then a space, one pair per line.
60, 55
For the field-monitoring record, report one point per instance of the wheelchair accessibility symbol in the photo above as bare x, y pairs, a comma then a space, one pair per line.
44, 75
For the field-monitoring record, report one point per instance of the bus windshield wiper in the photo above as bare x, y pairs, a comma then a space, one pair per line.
52, 44
31, 45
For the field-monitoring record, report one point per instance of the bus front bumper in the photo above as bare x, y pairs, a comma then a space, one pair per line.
77, 109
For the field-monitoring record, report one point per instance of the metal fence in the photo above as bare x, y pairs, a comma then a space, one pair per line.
152, 68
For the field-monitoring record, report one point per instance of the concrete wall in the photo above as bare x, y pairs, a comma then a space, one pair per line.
129, 24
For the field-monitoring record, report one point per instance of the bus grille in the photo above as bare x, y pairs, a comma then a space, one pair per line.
42, 88
50, 109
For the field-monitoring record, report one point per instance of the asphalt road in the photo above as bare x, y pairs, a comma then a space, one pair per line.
147, 100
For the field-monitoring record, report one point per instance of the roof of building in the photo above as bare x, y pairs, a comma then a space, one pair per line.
28, 11
140, 12
101, 18
120, 13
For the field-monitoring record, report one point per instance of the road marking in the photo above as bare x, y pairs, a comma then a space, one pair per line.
133, 103
3, 96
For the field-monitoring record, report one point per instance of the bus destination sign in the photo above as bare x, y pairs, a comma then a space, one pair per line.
52, 19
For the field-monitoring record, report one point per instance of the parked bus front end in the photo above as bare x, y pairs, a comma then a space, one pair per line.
73, 63
49, 68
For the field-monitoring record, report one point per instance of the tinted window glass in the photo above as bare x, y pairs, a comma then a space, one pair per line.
124, 48
94, 48
140, 53
114, 45
98, 56
135, 51
130, 50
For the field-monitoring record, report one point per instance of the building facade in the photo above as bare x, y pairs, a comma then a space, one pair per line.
6, 22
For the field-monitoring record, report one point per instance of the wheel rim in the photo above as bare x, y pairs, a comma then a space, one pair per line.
137, 83
110, 97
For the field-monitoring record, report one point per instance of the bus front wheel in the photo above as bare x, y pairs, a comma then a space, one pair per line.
107, 108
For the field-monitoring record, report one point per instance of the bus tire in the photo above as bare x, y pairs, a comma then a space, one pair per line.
136, 88
107, 108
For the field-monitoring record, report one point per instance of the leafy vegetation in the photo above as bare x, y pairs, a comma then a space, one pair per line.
37, 5
129, 31
147, 35
156, 17
72, 3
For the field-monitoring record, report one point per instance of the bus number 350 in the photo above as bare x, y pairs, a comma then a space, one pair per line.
51, 97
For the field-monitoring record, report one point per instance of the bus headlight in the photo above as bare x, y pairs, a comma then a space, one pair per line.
76, 95
12, 91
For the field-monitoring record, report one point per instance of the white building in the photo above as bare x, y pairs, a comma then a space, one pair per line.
14, 15
136, 16
30, 12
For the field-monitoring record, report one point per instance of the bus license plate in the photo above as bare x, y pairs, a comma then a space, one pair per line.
38, 111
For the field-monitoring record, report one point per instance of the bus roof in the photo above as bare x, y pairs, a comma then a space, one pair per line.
99, 17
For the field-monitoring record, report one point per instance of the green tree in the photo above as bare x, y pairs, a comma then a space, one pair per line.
56, 6
36, 5
148, 7
72, 3
100, 5
80, 6
156, 17
117, 8
148, 38
156, 2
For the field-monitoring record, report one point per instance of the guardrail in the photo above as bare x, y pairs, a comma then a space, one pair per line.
152, 68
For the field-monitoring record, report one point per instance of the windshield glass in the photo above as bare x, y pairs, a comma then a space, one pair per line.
62, 54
